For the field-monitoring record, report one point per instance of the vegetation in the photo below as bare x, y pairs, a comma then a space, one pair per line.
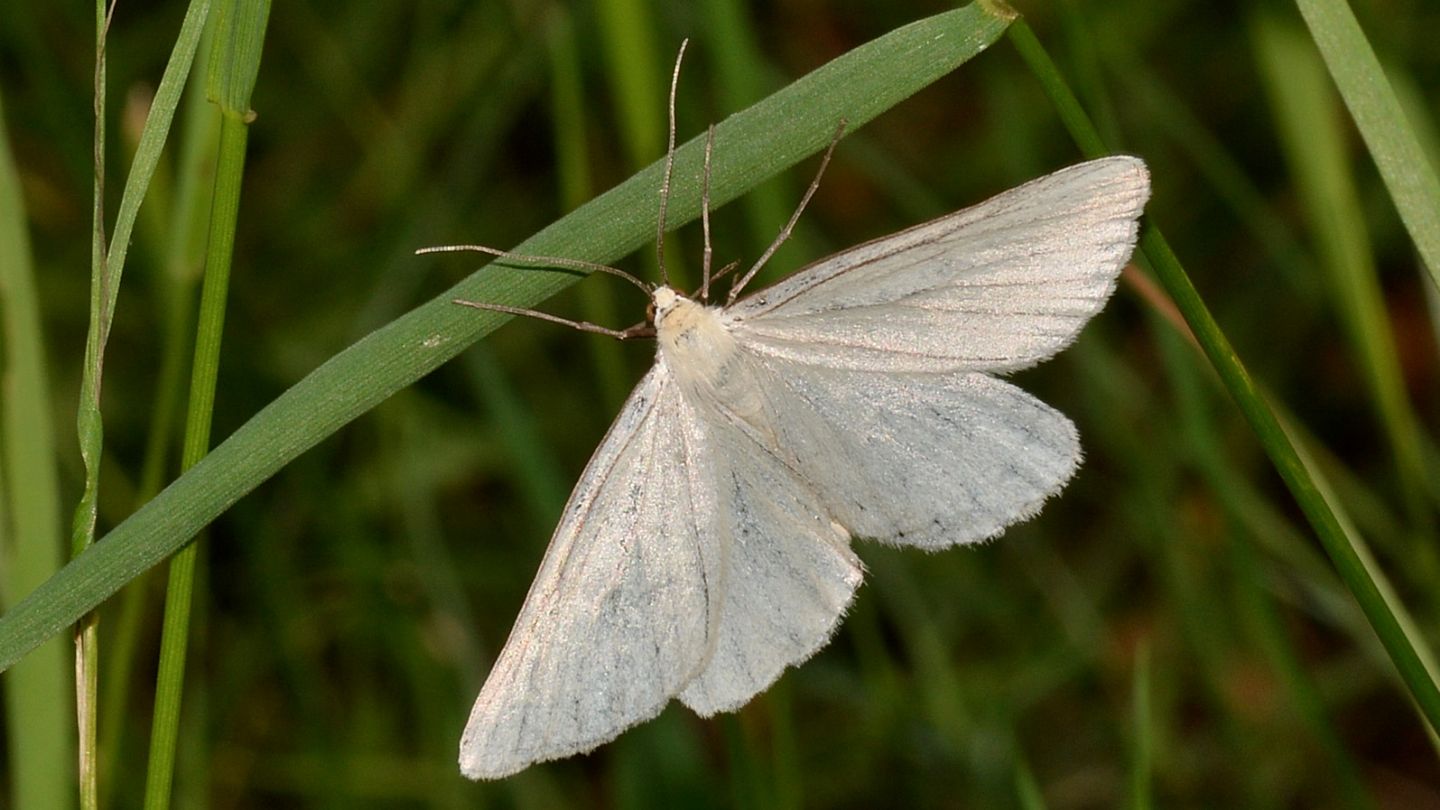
1232, 604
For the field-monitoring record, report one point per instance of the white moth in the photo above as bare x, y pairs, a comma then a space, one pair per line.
707, 545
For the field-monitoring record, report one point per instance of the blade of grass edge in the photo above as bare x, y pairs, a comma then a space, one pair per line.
1321, 516
1408, 175
776, 133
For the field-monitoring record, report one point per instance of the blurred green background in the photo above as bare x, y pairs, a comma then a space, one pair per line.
1167, 633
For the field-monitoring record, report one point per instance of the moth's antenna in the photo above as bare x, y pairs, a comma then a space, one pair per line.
789, 226
705, 214
639, 330
541, 261
669, 168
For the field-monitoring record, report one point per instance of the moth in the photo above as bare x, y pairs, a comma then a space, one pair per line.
707, 545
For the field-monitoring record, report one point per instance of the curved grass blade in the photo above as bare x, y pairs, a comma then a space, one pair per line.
107, 266
1402, 648
1313, 140
1372, 102
776, 133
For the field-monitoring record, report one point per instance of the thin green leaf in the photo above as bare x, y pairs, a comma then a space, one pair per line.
1314, 145
37, 703
750, 146
1257, 411
1411, 178
106, 271
239, 36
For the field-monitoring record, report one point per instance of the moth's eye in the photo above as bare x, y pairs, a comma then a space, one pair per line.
650, 312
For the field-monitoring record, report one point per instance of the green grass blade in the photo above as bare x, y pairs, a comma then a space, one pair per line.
1206, 447
1242, 389
37, 700
107, 267
147, 155
110, 269
1315, 147
752, 145
239, 35
182, 244
89, 429
1372, 102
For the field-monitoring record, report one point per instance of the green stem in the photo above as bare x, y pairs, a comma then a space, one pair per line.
106, 268
1257, 411
90, 431
170, 682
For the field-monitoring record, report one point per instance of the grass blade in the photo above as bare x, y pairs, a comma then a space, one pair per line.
107, 267
37, 703
110, 268
1372, 102
1315, 147
89, 431
239, 34
752, 145
1262, 418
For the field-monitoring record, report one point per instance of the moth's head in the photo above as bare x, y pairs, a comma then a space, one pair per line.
673, 314
662, 302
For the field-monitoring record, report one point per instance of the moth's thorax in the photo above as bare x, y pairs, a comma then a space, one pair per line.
699, 348
692, 336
